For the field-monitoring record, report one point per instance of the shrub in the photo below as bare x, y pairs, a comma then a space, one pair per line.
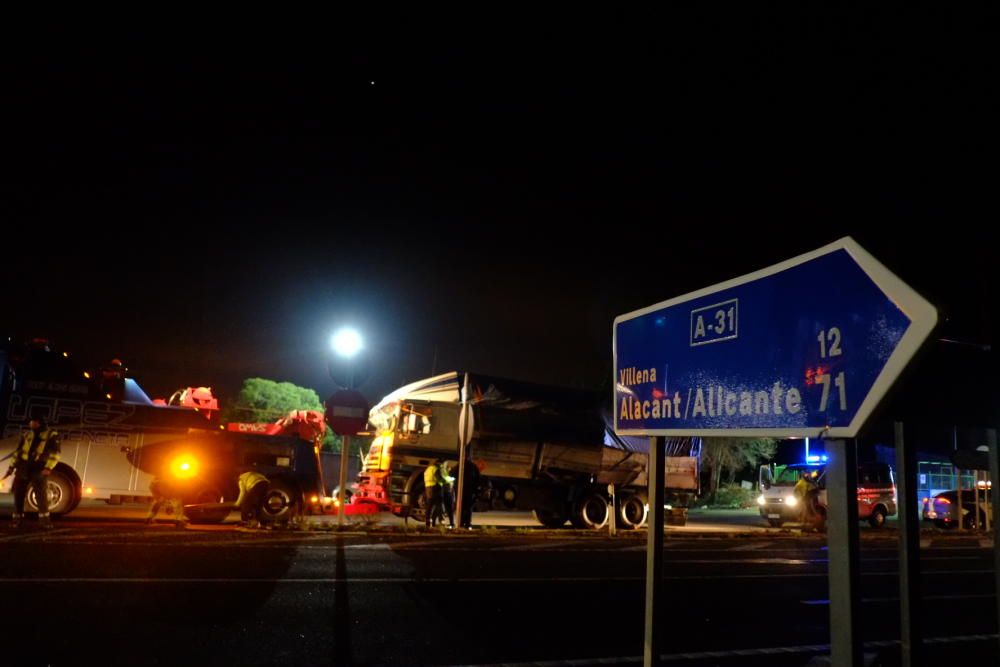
735, 496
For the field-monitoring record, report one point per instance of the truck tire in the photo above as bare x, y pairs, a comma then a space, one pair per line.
591, 512
550, 518
61, 493
418, 501
203, 515
281, 503
632, 511
508, 497
877, 518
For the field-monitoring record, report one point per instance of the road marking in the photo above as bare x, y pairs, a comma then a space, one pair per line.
751, 547
30, 537
730, 653
537, 546
973, 596
417, 580
410, 545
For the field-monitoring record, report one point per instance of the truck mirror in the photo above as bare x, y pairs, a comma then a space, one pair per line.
764, 477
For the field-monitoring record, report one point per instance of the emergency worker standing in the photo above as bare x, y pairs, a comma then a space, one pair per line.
37, 453
806, 492
165, 494
253, 489
445, 481
432, 494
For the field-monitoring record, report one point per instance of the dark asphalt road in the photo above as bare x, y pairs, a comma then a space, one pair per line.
120, 593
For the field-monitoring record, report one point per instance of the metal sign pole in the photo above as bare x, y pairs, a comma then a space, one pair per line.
654, 550
344, 449
842, 540
911, 636
991, 436
459, 504
612, 527
463, 440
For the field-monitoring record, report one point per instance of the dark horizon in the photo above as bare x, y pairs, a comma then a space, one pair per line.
213, 213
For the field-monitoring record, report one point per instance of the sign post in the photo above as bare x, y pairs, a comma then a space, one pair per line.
654, 552
346, 413
842, 542
910, 632
465, 426
805, 348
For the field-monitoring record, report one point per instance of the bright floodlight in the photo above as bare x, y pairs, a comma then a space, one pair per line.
346, 342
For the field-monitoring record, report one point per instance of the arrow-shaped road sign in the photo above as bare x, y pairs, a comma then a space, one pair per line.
802, 348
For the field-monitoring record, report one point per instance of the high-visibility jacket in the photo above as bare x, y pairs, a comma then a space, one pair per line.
247, 481
431, 476
443, 478
38, 449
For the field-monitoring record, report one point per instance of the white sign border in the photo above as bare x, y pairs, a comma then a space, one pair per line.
923, 318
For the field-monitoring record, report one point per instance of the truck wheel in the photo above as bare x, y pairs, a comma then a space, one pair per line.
281, 502
202, 515
418, 501
509, 497
877, 519
62, 497
632, 511
550, 518
591, 512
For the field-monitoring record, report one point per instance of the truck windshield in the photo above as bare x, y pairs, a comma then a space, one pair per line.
415, 420
790, 475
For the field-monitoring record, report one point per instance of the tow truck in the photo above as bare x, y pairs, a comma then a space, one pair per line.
115, 439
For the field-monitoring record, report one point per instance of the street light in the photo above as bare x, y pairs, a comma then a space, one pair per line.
346, 342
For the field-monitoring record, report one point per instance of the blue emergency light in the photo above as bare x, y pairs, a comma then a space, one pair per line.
816, 458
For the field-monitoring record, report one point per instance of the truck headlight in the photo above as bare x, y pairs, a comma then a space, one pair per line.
791, 501
760, 499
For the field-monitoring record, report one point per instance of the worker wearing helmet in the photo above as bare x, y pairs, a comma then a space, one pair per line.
37, 453
253, 489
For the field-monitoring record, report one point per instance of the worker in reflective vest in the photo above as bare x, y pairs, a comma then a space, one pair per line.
253, 490
432, 494
37, 453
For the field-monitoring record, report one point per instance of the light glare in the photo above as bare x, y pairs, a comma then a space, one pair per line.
346, 342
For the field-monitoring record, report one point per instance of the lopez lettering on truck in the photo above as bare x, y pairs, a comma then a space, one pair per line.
60, 411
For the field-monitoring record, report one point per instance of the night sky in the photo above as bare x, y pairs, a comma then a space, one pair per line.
210, 205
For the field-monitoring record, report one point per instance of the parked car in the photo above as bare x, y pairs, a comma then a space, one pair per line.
942, 509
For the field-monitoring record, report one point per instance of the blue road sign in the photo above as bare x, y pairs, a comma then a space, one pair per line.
807, 347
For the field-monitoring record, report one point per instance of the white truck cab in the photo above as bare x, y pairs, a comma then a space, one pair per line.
777, 502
